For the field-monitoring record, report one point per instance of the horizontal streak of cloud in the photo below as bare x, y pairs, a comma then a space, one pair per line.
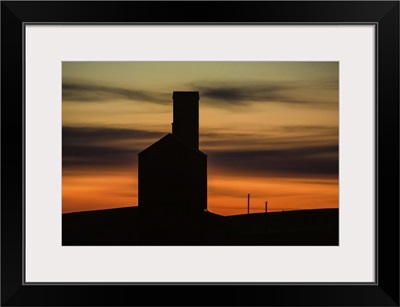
100, 135
101, 147
84, 147
277, 137
240, 94
219, 94
99, 93
303, 161
97, 156
244, 93
287, 130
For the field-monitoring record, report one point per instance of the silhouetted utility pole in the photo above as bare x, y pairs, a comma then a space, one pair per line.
248, 212
248, 203
266, 217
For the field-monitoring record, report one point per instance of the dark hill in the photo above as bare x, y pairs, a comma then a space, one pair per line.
300, 227
131, 226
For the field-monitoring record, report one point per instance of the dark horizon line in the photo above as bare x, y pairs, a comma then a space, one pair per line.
261, 212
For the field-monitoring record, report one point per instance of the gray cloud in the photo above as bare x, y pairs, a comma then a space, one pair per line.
99, 93
293, 136
310, 161
244, 93
97, 156
88, 147
104, 147
95, 135
216, 94
312, 129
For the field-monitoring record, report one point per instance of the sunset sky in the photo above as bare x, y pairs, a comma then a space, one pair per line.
269, 129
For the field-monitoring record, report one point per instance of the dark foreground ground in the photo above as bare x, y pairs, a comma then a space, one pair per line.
131, 226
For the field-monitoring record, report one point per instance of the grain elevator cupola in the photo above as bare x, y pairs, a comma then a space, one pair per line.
186, 117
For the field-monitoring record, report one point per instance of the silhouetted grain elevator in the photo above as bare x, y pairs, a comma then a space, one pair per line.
173, 171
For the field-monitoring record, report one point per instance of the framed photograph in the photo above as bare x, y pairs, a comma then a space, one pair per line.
246, 148
245, 131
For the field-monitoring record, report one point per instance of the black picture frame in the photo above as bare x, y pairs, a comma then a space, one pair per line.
383, 14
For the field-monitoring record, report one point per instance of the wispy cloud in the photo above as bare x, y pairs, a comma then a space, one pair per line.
104, 147
279, 137
97, 156
244, 93
220, 94
311, 161
108, 147
100, 93
101, 135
